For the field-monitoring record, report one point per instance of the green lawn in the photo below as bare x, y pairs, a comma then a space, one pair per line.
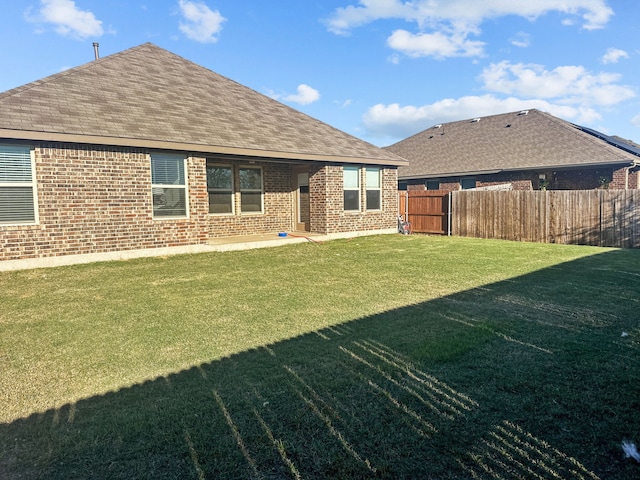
377, 357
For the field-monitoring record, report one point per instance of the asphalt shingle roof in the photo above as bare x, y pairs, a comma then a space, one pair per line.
526, 140
147, 94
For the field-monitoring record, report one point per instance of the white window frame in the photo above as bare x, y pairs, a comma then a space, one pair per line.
24, 184
349, 188
156, 187
251, 190
371, 189
223, 190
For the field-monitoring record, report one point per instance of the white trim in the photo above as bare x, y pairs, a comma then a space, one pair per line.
358, 189
185, 187
33, 184
378, 188
232, 192
252, 190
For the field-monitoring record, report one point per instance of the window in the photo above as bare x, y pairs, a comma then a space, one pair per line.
220, 187
168, 185
432, 184
351, 177
17, 185
374, 188
467, 183
251, 189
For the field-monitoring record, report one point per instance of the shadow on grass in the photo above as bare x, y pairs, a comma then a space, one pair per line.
526, 378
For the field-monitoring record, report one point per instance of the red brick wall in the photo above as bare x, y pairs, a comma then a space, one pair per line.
278, 203
327, 189
95, 199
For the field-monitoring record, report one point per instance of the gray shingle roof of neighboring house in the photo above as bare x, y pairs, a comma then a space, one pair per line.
526, 140
149, 97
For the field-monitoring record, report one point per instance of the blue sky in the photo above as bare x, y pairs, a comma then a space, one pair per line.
380, 70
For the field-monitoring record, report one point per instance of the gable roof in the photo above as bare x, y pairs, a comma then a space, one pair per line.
526, 140
151, 98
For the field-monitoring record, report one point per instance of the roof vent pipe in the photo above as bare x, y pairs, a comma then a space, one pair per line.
95, 50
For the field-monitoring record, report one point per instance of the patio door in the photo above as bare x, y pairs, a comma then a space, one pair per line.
303, 210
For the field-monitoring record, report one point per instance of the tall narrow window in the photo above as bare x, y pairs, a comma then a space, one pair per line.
351, 177
220, 187
374, 188
250, 189
17, 185
169, 185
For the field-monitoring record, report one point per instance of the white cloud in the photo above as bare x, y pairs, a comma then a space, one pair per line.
305, 95
397, 122
202, 24
343, 103
614, 55
636, 120
450, 23
522, 40
570, 85
67, 18
436, 44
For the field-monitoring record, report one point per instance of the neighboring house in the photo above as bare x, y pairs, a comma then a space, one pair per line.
145, 150
521, 151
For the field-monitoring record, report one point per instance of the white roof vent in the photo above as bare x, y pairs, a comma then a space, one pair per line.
475, 120
438, 126
523, 112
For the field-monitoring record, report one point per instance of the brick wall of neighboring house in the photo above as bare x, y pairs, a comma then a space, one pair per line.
327, 202
94, 199
585, 179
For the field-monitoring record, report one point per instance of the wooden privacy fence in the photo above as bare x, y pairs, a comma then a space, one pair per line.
427, 210
608, 218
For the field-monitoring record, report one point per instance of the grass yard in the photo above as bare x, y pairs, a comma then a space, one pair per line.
378, 357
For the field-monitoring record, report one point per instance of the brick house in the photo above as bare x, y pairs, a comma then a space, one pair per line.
146, 150
526, 150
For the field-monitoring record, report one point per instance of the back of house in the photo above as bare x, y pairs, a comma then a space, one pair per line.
144, 150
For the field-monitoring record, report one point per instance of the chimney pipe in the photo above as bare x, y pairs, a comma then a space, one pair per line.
95, 50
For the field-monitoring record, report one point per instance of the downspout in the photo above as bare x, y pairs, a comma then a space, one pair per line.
626, 177
634, 164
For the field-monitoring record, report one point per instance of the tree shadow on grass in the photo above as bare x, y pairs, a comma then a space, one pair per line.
526, 378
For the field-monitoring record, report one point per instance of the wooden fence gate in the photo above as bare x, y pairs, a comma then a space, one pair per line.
426, 210
608, 218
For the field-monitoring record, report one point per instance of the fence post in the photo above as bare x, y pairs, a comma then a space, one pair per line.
450, 199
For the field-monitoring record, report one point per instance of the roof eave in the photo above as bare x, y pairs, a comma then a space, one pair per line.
624, 163
449, 174
190, 147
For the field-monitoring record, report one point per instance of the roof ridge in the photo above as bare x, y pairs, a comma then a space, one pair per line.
69, 71
577, 129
